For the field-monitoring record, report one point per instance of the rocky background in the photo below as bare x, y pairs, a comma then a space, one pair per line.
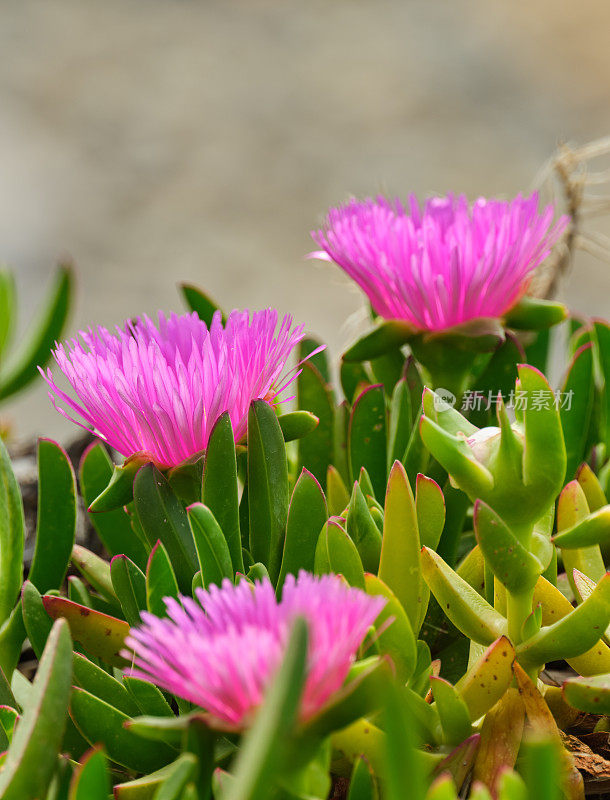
164, 140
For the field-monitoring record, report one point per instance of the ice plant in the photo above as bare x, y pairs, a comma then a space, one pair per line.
222, 652
518, 469
441, 264
160, 388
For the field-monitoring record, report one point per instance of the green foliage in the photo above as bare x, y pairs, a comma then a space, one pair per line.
462, 530
32, 756
56, 523
267, 486
220, 488
35, 347
12, 534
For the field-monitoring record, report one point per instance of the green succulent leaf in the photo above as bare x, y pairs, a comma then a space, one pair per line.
602, 335
388, 370
186, 479
337, 495
512, 564
395, 636
362, 695
296, 424
143, 788
12, 635
544, 458
95, 569
363, 531
102, 636
160, 581
445, 415
464, 606
260, 760
9, 718
498, 377
555, 607
257, 572
574, 634
442, 788
457, 505
164, 519
457, 458
400, 422
211, 545
367, 437
343, 557
78, 593
182, 771
118, 492
267, 486
56, 517
364, 481
589, 694
35, 348
7, 698
113, 527
354, 377
362, 782
579, 387
593, 529
537, 351
307, 515
12, 535
533, 314
314, 395
340, 447
8, 307
220, 486
452, 710
168, 729
488, 678
399, 565
430, 508
572, 511
584, 587
402, 768
149, 699
99, 722
37, 622
32, 756
532, 624
201, 303
501, 738
591, 486
100, 683
91, 780
129, 584
387, 336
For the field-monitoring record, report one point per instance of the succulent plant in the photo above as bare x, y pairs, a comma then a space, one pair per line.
19, 368
356, 598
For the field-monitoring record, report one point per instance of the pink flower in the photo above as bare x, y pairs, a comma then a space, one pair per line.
160, 389
442, 265
222, 652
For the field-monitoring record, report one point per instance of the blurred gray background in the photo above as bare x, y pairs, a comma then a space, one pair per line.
157, 141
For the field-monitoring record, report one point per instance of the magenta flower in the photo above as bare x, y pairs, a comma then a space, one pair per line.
160, 389
442, 265
222, 652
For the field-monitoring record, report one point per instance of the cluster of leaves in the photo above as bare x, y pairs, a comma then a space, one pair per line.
19, 369
469, 565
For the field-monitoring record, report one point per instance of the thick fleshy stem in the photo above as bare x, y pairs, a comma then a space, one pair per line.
518, 609
519, 605
449, 367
